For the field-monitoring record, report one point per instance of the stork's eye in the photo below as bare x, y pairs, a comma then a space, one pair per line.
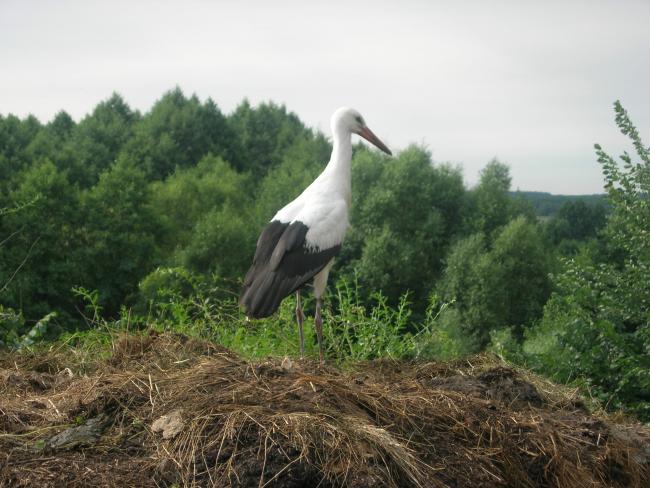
359, 119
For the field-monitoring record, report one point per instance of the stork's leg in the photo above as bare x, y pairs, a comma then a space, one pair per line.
318, 321
320, 282
300, 318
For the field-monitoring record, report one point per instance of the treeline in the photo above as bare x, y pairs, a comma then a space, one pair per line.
112, 202
109, 199
548, 204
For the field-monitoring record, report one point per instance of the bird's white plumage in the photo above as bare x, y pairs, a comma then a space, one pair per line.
303, 238
323, 205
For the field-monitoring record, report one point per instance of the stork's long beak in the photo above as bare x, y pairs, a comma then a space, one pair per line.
369, 136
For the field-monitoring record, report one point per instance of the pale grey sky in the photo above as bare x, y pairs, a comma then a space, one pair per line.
529, 82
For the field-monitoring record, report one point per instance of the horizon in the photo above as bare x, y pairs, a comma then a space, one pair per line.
532, 85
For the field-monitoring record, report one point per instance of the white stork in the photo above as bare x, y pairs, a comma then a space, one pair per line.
301, 240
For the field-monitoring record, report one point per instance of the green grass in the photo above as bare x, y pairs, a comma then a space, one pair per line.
352, 330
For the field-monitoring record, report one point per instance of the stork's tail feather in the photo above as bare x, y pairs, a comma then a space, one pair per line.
262, 297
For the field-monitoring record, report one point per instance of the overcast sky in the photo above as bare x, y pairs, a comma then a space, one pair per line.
529, 82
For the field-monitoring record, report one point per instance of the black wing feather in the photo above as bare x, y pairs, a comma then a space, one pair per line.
281, 265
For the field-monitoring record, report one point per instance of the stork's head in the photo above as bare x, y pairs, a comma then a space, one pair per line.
350, 120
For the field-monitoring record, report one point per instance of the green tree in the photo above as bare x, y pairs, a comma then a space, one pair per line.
519, 274
576, 221
208, 218
44, 243
264, 133
219, 245
490, 204
597, 325
190, 193
464, 284
405, 212
119, 235
490, 198
177, 133
98, 139
502, 286
15, 137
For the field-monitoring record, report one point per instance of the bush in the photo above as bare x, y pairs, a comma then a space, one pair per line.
596, 326
16, 334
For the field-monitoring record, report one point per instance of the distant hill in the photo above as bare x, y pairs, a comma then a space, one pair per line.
547, 204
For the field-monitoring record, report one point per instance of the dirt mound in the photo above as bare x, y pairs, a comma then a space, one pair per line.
164, 410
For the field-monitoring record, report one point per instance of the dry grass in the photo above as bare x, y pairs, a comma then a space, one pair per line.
476, 422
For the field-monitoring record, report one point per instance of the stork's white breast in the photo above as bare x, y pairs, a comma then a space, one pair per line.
327, 223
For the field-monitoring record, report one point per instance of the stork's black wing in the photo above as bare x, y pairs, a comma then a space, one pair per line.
282, 264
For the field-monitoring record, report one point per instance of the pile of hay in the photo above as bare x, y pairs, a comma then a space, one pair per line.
165, 410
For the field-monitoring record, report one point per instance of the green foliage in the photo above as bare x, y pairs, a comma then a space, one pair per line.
160, 212
12, 326
265, 133
189, 304
574, 223
546, 205
120, 233
15, 137
44, 242
505, 285
207, 218
98, 139
490, 198
356, 333
445, 338
177, 133
405, 211
119, 193
506, 345
519, 268
189, 194
16, 334
465, 282
596, 327
218, 245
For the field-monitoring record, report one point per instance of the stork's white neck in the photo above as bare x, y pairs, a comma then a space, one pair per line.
338, 168
341, 150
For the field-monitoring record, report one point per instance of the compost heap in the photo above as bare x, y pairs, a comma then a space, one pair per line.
165, 410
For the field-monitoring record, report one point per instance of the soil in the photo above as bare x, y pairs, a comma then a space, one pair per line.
168, 411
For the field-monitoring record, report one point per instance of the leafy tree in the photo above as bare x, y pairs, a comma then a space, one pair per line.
44, 243
50, 139
219, 243
15, 137
576, 221
208, 218
464, 283
597, 325
190, 193
490, 199
519, 274
502, 286
62, 125
405, 211
98, 139
119, 235
177, 133
264, 132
